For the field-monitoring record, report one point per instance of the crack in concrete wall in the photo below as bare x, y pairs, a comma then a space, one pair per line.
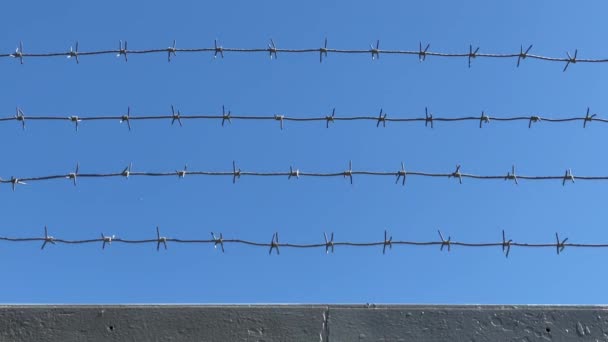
324, 335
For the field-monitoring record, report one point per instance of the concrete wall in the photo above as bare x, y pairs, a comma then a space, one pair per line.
303, 323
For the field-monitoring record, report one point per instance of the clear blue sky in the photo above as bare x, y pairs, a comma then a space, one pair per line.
302, 210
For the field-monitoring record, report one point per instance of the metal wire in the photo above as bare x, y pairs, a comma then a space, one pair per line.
329, 244
226, 117
294, 173
273, 51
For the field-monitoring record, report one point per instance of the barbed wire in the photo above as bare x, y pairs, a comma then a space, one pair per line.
272, 50
226, 117
329, 244
294, 173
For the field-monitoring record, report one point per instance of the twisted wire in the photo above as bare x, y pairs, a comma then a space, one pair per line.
323, 51
226, 117
329, 244
236, 173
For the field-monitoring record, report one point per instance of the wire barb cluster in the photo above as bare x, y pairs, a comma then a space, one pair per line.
272, 50
295, 173
226, 116
329, 244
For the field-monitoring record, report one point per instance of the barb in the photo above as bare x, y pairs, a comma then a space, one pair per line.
274, 244
127, 118
483, 118
280, 118
182, 173
123, 50
457, 174
176, 116
506, 244
444, 242
171, 50
291, 172
428, 117
401, 173
571, 59
218, 50
330, 118
227, 116
74, 175
160, 240
522, 54
76, 120
218, 241
349, 173
106, 240
534, 119
15, 181
236, 173
388, 241
73, 53
272, 49
375, 50
323, 51
568, 176
381, 119
18, 53
127, 171
472, 54
512, 175
588, 118
47, 238
295, 173
19, 116
422, 53
328, 244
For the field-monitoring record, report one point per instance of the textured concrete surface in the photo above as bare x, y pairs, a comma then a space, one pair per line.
303, 323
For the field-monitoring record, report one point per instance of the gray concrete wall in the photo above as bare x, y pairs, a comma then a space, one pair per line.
303, 323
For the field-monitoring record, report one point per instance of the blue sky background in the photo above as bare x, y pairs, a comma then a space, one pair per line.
302, 210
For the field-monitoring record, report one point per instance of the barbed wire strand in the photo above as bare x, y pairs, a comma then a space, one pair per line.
226, 117
273, 51
295, 173
329, 244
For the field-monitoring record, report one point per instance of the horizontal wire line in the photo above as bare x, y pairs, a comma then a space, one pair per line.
236, 173
227, 117
329, 244
322, 51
